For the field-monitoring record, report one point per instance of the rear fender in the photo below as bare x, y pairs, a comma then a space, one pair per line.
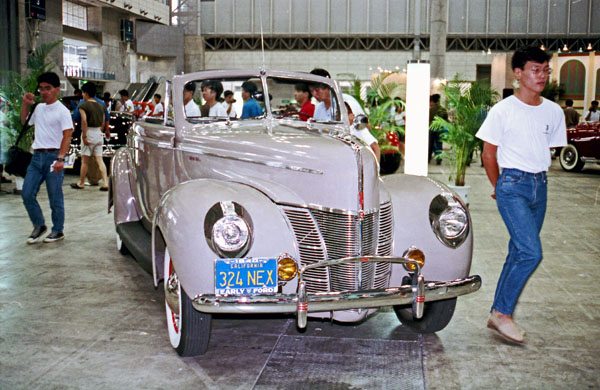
411, 197
121, 194
179, 224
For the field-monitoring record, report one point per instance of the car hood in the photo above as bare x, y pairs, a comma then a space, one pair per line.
291, 165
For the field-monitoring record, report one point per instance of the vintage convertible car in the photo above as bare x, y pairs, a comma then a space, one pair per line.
583, 146
276, 214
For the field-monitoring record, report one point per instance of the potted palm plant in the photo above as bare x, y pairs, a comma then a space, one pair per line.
467, 105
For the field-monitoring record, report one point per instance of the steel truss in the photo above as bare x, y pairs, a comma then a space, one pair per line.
369, 43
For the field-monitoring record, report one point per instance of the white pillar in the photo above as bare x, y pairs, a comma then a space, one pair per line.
417, 118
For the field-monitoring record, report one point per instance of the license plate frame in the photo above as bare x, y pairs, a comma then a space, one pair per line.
245, 276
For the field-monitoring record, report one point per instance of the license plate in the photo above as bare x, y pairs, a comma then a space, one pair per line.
245, 276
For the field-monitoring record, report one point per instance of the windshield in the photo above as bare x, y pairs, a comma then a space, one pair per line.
245, 98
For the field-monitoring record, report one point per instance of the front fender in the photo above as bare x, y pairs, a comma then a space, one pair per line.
179, 223
411, 197
122, 193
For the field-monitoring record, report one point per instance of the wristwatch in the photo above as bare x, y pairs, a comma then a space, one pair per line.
61, 159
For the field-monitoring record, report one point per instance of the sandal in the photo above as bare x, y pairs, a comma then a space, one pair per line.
103, 188
76, 186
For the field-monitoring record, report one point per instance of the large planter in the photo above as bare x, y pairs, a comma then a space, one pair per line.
462, 191
390, 159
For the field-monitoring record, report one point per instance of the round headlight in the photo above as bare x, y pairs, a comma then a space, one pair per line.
449, 220
453, 222
230, 233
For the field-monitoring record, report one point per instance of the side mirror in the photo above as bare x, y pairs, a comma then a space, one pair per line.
360, 122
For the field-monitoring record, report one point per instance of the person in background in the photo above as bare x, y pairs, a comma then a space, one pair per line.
592, 115
435, 142
76, 116
78, 96
323, 110
92, 142
191, 108
211, 91
158, 106
107, 101
354, 109
125, 104
53, 129
303, 97
517, 134
251, 107
571, 115
228, 104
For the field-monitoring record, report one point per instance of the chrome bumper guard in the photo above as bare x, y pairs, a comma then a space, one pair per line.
302, 302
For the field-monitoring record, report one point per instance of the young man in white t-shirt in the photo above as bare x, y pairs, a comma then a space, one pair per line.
158, 106
518, 133
211, 91
53, 129
125, 104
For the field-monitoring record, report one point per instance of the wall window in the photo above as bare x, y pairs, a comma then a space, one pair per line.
74, 15
598, 84
572, 79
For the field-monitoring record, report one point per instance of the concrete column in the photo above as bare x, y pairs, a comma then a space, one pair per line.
590, 87
194, 53
437, 41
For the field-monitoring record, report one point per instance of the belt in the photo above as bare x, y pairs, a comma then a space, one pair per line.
45, 150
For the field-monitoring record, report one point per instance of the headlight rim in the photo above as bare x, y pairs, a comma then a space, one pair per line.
220, 211
441, 204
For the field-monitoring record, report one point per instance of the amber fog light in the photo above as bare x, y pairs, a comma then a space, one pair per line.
414, 254
287, 268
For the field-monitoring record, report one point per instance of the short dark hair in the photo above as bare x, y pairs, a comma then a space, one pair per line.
158, 96
214, 86
320, 72
106, 96
50, 78
227, 93
191, 86
569, 103
124, 92
435, 98
528, 53
302, 87
89, 88
77, 91
249, 87
594, 102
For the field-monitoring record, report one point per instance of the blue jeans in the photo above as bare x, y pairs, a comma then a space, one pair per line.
37, 172
521, 199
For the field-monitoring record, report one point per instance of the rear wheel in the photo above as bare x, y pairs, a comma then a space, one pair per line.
436, 316
189, 331
570, 160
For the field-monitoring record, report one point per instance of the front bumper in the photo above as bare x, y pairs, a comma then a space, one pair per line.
302, 302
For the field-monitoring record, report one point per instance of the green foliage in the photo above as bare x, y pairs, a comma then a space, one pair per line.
467, 106
552, 91
12, 95
382, 101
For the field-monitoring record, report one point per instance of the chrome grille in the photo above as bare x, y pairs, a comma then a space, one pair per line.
340, 235
384, 245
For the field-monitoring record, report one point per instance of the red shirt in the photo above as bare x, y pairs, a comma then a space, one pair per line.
307, 108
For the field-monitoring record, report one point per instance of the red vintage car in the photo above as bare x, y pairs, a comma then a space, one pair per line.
583, 146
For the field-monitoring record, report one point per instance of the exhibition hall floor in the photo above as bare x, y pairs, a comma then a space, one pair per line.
78, 315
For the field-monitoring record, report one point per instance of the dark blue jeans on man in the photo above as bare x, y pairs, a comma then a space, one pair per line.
38, 172
521, 200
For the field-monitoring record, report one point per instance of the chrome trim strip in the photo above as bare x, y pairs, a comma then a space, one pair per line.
313, 206
331, 301
252, 161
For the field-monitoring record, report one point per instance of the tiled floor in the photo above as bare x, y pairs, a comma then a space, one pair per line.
78, 315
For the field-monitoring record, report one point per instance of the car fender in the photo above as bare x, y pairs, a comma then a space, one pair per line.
179, 223
411, 197
126, 208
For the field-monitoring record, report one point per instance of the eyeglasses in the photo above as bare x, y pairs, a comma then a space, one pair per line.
45, 89
541, 71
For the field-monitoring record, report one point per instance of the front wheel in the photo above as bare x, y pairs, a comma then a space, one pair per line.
436, 316
570, 160
189, 331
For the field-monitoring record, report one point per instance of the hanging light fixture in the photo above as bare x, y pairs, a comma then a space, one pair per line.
489, 52
543, 47
565, 48
589, 47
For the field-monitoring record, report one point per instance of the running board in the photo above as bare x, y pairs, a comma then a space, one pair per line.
139, 243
